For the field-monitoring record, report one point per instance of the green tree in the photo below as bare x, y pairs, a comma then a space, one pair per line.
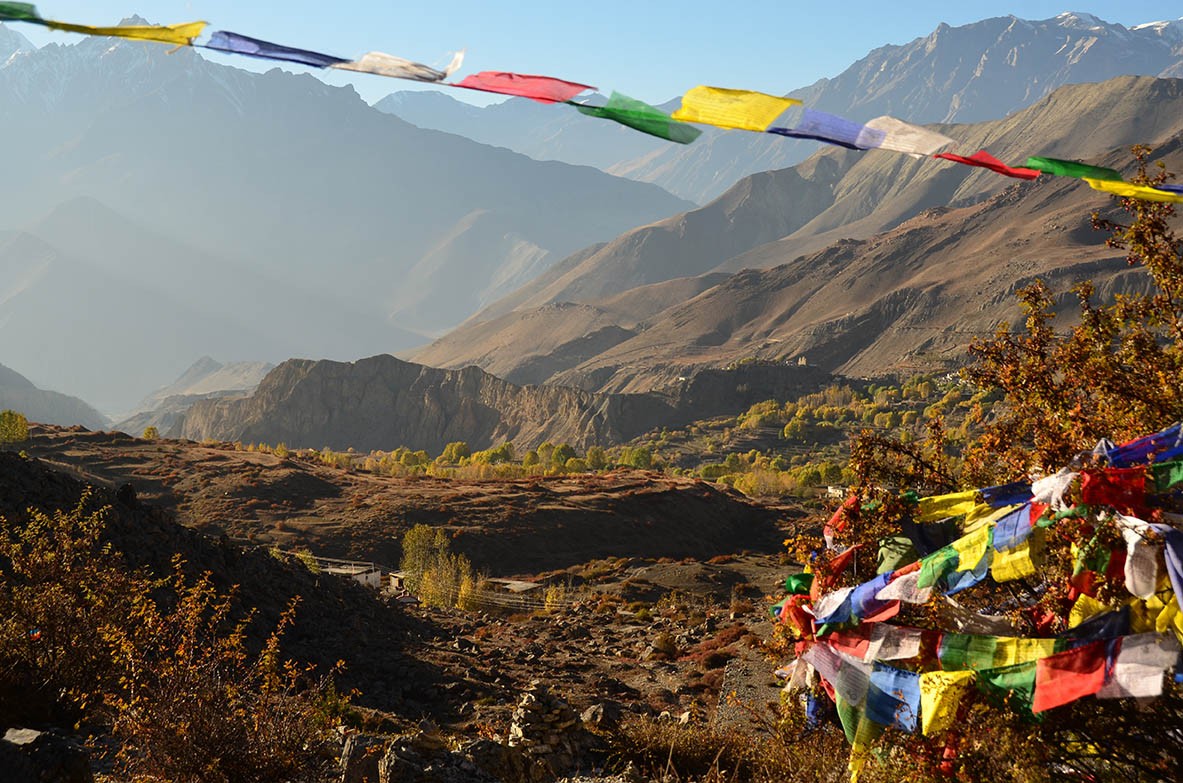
561, 454
14, 427
150, 433
454, 452
597, 458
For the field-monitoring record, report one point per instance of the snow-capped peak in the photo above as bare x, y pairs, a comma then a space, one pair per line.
1080, 20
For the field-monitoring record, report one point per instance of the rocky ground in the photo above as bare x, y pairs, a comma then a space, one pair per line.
660, 589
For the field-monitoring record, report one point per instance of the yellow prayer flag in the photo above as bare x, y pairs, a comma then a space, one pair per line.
1014, 563
940, 696
1009, 651
1084, 608
936, 507
723, 108
972, 548
179, 34
1130, 190
984, 514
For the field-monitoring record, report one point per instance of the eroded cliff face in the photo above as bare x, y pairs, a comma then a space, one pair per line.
383, 402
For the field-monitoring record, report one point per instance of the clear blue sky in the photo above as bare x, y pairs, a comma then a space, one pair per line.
650, 49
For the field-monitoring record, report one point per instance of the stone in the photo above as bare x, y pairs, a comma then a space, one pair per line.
361, 757
30, 756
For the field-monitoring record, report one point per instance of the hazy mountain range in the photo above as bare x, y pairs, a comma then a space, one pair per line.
49, 407
163, 207
980, 71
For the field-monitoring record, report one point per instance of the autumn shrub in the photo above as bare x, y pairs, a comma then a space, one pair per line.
157, 664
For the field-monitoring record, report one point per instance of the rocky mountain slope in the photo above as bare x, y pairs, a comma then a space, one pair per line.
980, 71
867, 201
257, 216
49, 407
165, 408
383, 402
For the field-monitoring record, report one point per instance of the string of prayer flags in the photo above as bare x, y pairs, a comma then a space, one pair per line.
973, 548
959, 580
985, 160
544, 89
226, 41
643, 117
940, 699
1130, 190
1015, 563
1071, 168
177, 34
817, 125
382, 64
910, 139
739, 109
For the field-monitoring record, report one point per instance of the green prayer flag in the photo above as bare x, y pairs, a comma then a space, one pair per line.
940, 563
643, 117
19, 12
1168, 475
895, 551
1013, 685
799, 584
1071, 168
960, 651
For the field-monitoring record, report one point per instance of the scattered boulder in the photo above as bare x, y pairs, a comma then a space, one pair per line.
31, 756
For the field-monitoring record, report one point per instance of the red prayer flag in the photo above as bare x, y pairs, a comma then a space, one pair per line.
854, 642
1122, 488
985, 160
827, 574
544, 89
1070, 675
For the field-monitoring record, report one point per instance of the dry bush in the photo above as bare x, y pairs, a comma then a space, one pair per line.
157, 663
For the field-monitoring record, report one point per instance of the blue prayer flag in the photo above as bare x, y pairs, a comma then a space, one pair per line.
224, 41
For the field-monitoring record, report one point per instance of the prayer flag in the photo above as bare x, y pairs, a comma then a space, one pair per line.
1130, 190
643, 117
960, 651
856, 642
1123, 488
906, 588
382, 64
1012, 650
1141, 449
1141, 562
863, 601
1013, 685
1007, 494
893, 697
178, 34
1104, 624
1172, 551
724, 108
1015, 563
904, 137
1141, 661
544, 89
1071, 168
935, 507
1070, 675
1167, 475
1051, 489
225, 41
890, 642
19, 12
1013, 529
937, 565
957, 581
985, 160
1170, 188
1085, 607
940, 698
834, 607
831, 129
973, 547
798, 584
